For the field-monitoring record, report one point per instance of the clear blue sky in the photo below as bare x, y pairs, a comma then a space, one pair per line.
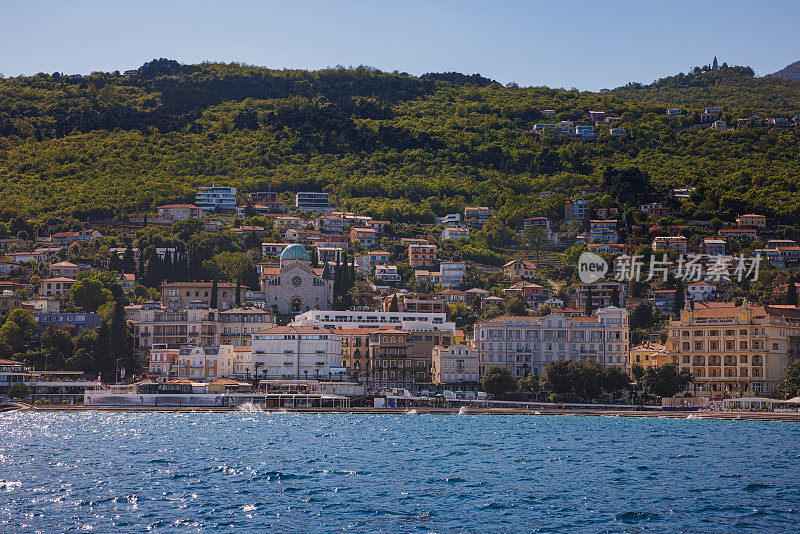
559, 43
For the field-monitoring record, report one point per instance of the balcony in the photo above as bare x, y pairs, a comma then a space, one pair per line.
288, 363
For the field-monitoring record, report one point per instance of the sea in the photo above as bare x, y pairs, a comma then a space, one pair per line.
406, 473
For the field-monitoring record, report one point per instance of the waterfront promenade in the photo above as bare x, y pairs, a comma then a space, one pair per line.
787, 416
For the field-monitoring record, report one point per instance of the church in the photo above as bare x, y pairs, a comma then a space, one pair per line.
293, 286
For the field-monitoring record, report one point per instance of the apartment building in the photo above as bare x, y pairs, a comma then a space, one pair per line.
477, 215
752, 220
422, 255
330, 224
714, 247
214, 198
205, 363
178, 212
455, 368
63, 269
162, 363
297, 352
312, 201
369, 260
197, 324
452, 273
455, 232
415, 302
575, 210
734, 349
236, 326
603, 294
524, 345
366, 236
355, 351
388, 274
393, 364
676, 243
286, 222
647, 355
539, 222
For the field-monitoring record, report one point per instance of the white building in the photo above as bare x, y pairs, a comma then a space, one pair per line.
525, 345
297, 352
215, 197
312, 201
700, 290
455, 232
452, 273
406, 321
388, 274
449, 219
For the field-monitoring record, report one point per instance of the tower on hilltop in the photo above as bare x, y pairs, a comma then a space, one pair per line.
715, 65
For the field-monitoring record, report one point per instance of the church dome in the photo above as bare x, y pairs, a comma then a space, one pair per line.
295, 252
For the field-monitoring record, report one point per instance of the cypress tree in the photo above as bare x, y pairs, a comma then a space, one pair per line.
213, 303
168, 272
615, 296
239, 290
589, 308
128, 263
791, 291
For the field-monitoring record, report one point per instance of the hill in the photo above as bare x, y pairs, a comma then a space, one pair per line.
789, 72
388, 144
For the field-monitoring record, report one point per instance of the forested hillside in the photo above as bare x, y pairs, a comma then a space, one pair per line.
388, 144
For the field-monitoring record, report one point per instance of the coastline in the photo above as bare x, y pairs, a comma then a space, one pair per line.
793, 417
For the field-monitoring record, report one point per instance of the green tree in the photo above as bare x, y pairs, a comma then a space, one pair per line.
789, 385
394, 306
214, 300
17, 332
615, 380
498, 381
666, 380
89, 294
559, 376
589, 306
19, 391
516, 306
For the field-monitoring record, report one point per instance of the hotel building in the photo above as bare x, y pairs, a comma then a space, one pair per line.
735, 349
524, 345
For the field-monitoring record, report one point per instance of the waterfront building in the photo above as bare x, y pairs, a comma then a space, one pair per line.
455, 368
734, 349
162, 363
205, 363
295, 352
647, 355
355, 350
393, 364
524, 345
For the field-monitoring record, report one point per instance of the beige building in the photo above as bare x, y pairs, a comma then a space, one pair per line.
162, 363
355, 350
392, 364
525, 345
63, 269
178, 295
153, 324
455, 367
294, 286
51, 287
205, 363
734, 349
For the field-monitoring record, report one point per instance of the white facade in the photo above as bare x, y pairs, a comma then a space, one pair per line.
295, 352
311, 201
524, 345
406, 321
453, 273
211, 198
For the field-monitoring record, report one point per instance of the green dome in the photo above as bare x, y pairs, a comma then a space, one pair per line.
295, 252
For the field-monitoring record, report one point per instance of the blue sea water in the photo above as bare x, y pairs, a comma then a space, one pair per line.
241, 472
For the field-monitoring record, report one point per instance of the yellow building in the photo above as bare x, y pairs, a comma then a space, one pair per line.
735, 349
752, 220
524, 269
647, 355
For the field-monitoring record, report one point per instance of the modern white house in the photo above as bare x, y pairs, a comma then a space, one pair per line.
216, 197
